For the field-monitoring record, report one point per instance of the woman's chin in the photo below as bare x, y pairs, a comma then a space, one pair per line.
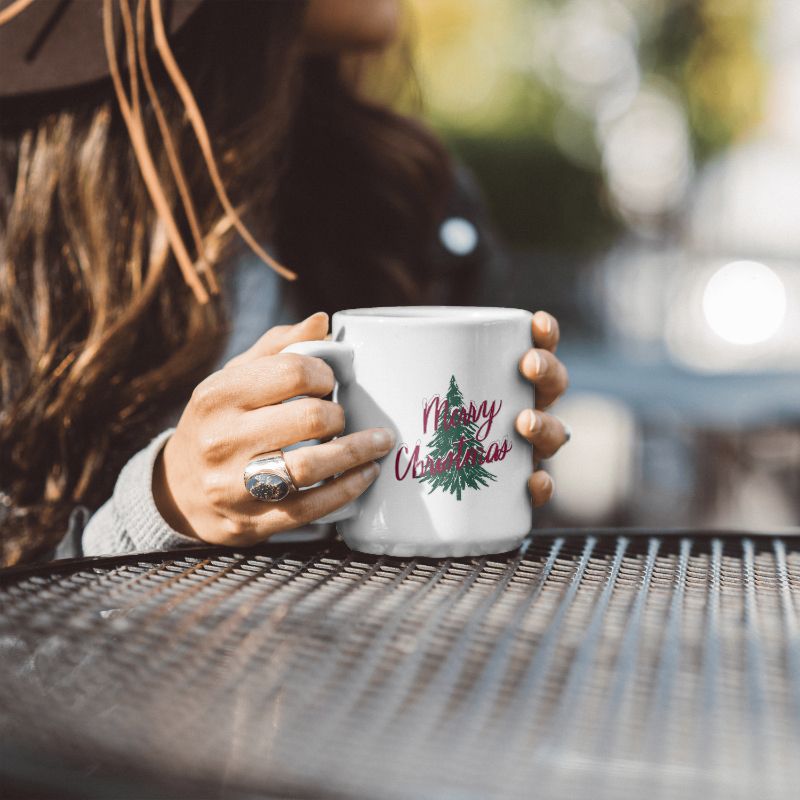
337, 26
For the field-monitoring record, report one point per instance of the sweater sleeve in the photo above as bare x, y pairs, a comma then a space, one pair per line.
129, 521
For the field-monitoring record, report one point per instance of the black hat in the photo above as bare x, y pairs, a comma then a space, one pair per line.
49, 45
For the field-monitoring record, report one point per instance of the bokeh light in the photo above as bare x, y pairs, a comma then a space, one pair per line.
647, 155
458, 235
595, 473
744, 302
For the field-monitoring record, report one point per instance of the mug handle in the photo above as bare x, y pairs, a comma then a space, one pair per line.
339, 357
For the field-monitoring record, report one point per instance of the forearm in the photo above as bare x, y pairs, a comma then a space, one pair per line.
129, 521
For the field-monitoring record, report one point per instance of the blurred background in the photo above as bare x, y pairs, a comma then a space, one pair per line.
641, 159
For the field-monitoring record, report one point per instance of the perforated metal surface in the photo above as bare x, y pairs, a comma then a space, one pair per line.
577, 667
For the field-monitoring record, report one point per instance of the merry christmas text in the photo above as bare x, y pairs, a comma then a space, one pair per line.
484, 413
464, 452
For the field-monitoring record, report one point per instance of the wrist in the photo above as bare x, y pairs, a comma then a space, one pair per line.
164, 497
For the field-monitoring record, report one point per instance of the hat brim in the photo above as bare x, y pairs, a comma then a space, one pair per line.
58, 44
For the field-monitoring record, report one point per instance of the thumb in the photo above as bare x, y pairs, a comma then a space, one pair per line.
275, 339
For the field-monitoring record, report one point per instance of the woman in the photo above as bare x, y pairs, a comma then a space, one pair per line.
122, 296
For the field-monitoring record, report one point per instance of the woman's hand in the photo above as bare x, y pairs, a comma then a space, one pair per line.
236, 414
544, 431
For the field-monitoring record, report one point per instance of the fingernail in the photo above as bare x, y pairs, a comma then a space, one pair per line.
551, 482
536, 364
370, 471
545, 321
310, 316
534, 422
383, 438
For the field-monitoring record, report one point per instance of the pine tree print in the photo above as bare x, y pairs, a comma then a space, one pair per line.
445, 440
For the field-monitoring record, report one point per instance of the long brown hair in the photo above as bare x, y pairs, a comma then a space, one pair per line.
100, 333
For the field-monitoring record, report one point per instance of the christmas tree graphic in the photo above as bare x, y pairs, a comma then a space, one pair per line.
466, 470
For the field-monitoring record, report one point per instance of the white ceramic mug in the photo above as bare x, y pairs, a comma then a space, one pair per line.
446, 380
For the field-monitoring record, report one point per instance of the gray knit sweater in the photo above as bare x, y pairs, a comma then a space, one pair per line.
129, 520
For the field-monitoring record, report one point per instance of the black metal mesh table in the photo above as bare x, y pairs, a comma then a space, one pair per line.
580, 666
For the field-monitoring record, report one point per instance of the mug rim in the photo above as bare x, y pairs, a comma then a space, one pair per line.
411, 315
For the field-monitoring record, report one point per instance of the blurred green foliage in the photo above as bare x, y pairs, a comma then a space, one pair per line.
536, 195
495, 87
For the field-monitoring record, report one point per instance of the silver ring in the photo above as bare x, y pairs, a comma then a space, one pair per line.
267, 478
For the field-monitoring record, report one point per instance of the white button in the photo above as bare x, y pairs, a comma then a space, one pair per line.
458, 235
